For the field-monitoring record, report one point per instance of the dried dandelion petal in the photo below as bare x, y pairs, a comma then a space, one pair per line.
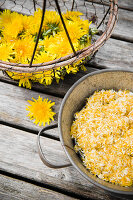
103, 130
40, 111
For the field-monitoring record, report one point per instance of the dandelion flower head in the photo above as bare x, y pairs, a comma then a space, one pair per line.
40, 111
24, 49
5, 51
12, 29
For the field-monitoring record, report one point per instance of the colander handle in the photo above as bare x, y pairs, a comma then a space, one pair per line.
41, 154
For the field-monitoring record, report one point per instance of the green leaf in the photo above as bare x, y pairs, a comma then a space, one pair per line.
93, 31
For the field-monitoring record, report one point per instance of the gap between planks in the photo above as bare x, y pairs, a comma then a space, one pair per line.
21, 160
46, 133
56, 90
13, 107
127, 5
15, 188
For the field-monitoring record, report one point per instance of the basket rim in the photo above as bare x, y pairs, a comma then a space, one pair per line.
71, 58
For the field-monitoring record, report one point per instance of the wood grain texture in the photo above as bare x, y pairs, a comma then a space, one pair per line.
54, 89
18, 150
19, 156
127, 4
114, 54
124, 24
123, 28
13, 101
12, 189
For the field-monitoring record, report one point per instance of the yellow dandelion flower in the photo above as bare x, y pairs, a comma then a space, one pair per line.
11, 30
48, 77
27, 24
72, 69
47, 42
51, 17
33, 26
6, 51
75, 31
23, 78
25, 82
5, 18
45, 77
13, 27
52, 21
85, 24
71, 15
38, 14
59, 46
34, 22
44, 57
40, 111
24, 49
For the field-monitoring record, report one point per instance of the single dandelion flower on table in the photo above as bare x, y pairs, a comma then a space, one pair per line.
41, 111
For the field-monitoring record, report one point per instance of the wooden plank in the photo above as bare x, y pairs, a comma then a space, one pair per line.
124, 24
13, 107
128, 4
123, 28
13, 101
19, 156
12, 189
54, 89
114, 54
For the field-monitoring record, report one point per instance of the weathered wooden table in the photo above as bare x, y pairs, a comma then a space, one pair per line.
23, 175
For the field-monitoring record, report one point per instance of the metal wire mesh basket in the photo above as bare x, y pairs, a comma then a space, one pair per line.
101, 13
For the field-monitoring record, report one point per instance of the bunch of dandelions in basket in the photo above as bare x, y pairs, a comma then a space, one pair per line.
40, 111
18, 34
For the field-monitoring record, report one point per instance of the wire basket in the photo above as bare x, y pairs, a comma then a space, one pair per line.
102, 14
